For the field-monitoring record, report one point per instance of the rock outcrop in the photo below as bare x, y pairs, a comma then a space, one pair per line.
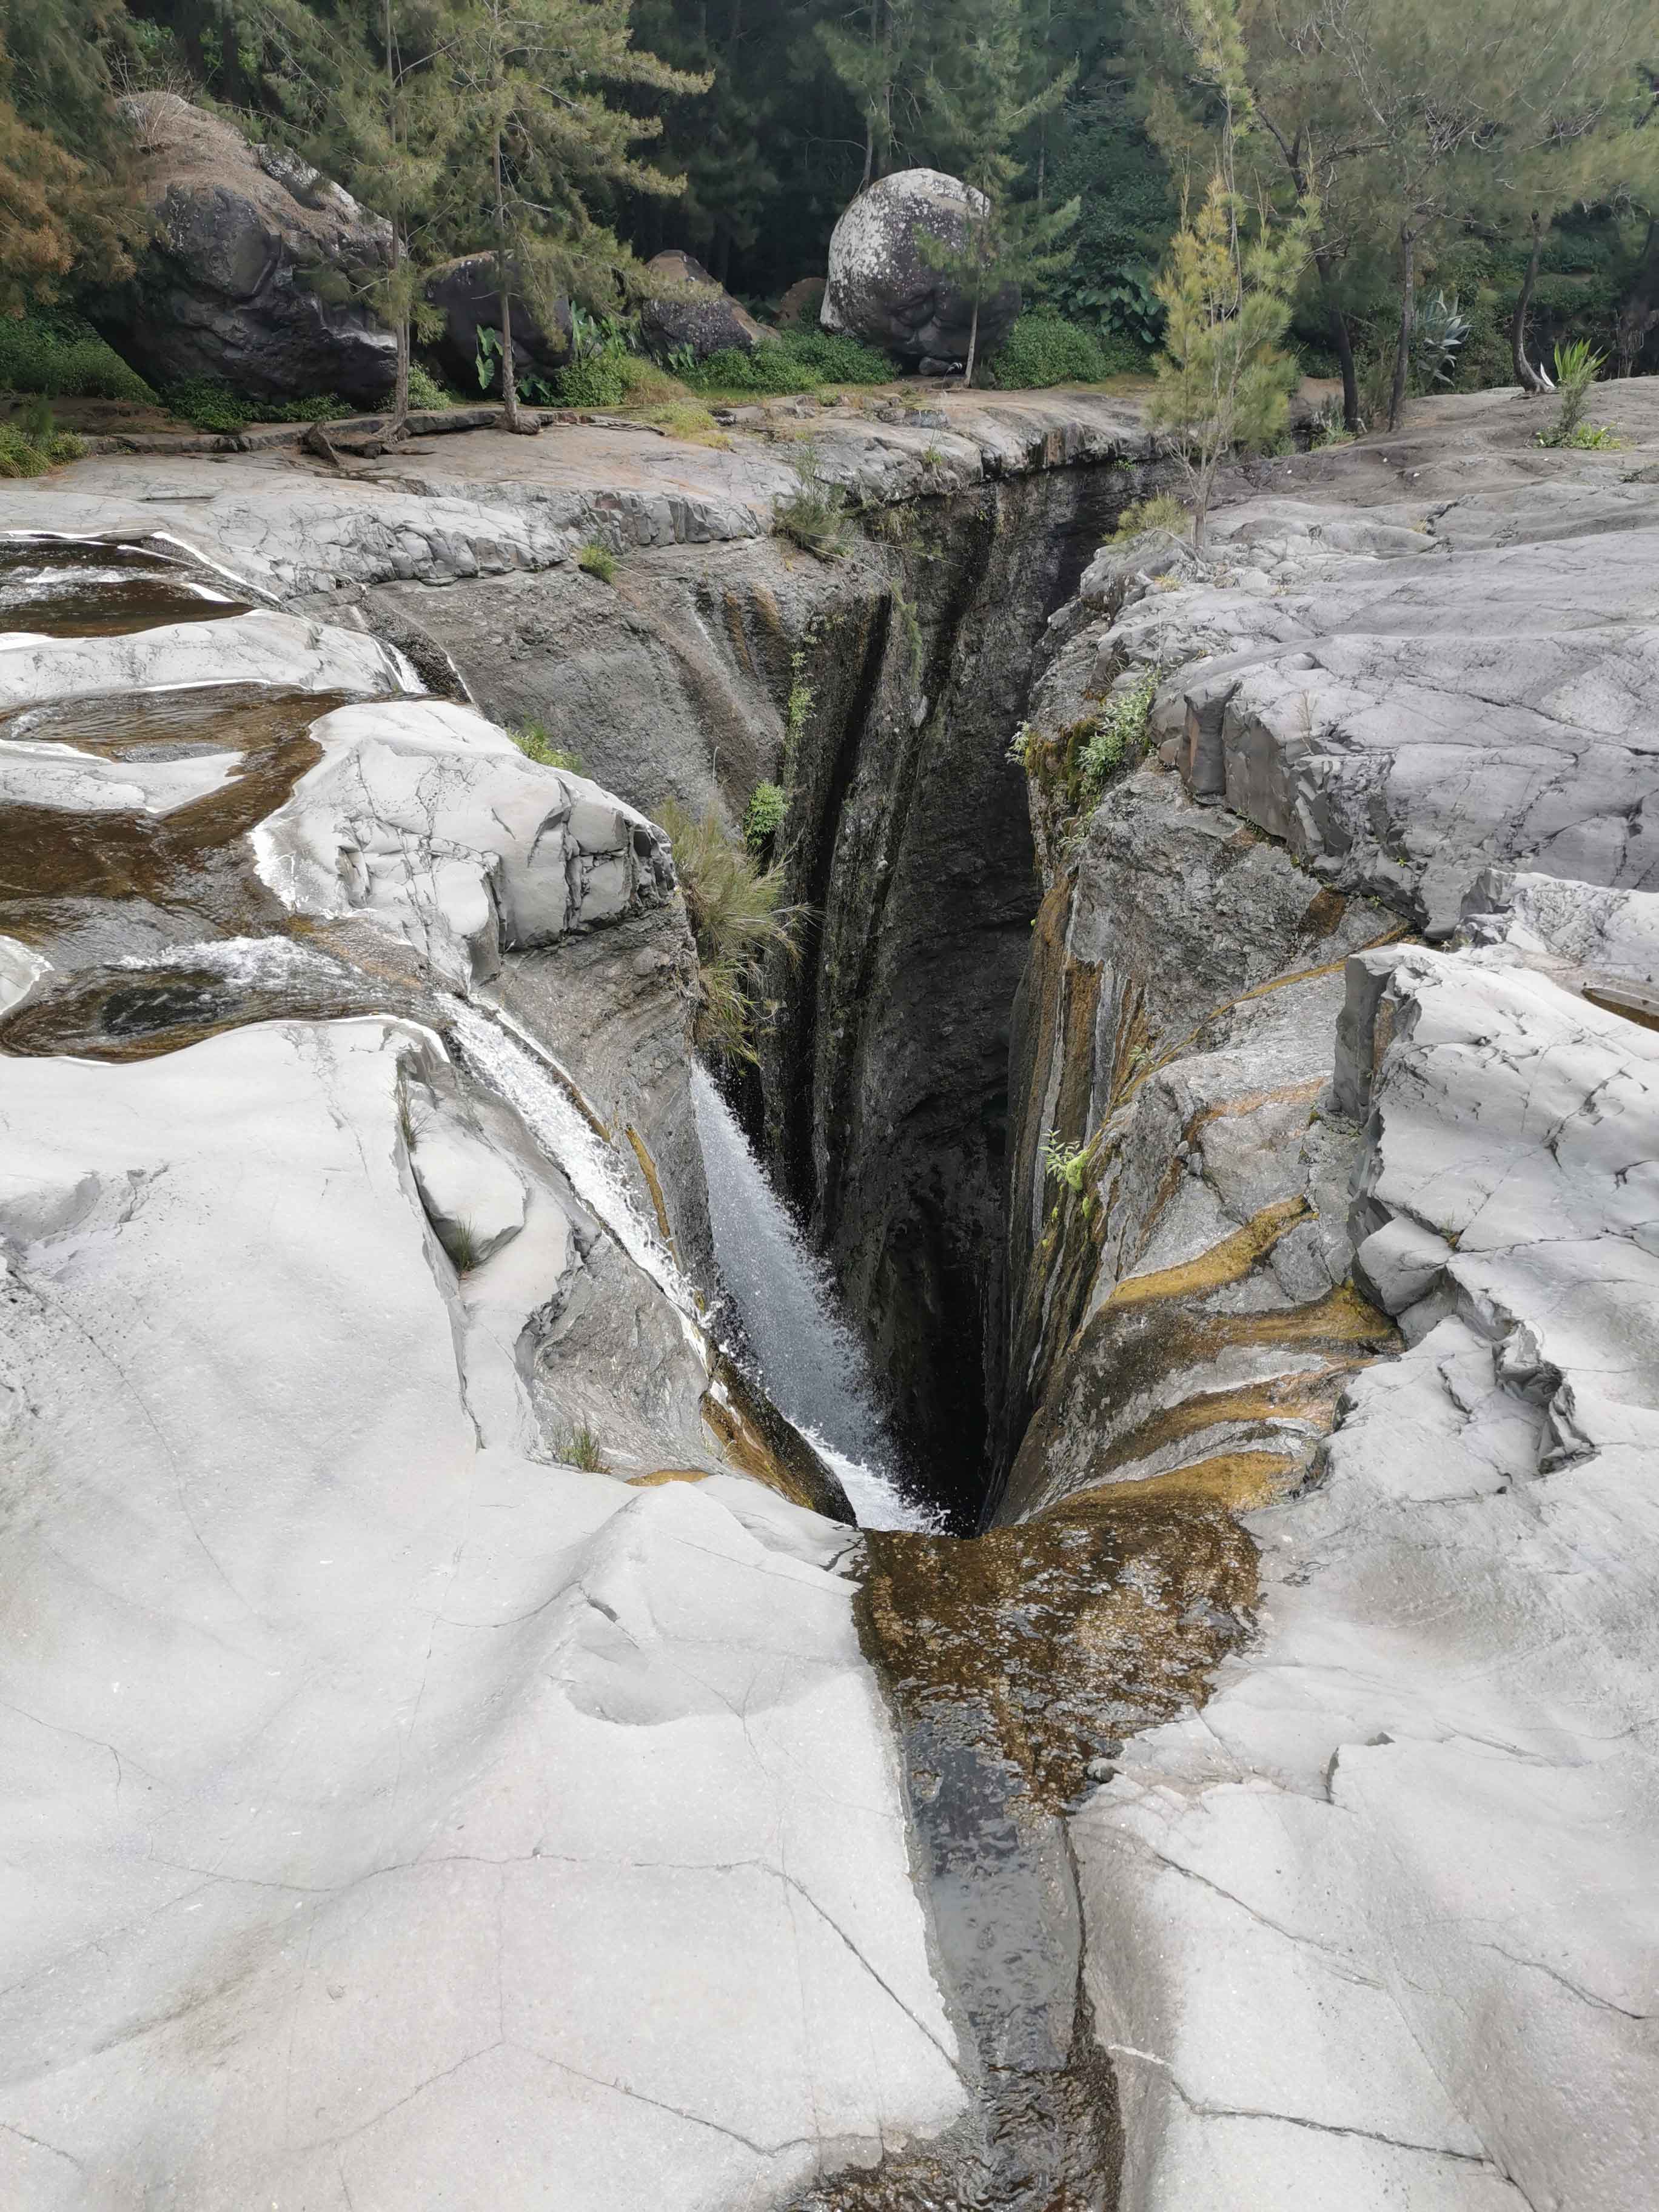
257, 274
687, 308
1351, 1236
465, 290
882, 286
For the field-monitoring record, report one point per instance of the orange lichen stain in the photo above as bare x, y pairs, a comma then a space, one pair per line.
1229, 1261
1243, 1481
653, 1184
664, 1475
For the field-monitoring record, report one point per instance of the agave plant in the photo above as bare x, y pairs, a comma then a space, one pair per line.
1442, 329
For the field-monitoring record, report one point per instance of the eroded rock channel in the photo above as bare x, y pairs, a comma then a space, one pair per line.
1227, 1186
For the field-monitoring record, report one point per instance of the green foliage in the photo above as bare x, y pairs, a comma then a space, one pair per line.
1043, 349
535, 743
599, 379
19, 454
425, 391
736, 909
1223, 383
580, 1447
789, 362
762, 817
801, 696
1587, 438
60, 356
815, 515
207, 404
1119, 734
464, 1247
598, 560
1163, 511
1577, 368
1065, 1163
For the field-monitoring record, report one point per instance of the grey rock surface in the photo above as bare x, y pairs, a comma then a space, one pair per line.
254, 278
883, 289
1417, 1817
395, 1774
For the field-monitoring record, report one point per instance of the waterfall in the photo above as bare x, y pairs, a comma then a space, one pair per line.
811, 1359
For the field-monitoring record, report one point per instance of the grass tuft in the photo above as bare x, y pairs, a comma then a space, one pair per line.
598, 560
1163, 511
581, 1448
534, 743
735, 906
815, 515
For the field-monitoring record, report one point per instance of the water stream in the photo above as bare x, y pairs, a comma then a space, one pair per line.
812, 1361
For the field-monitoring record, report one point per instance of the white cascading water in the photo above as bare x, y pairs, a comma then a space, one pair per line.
810, 1357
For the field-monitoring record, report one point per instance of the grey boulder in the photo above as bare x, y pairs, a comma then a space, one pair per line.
692, 309
883, 288
258, 271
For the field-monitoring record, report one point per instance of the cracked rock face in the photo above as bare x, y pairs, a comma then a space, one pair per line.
380, 1735
1418, 1817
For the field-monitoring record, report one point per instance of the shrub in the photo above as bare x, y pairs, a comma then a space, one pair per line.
598, 377
19, 454
1042, 349
764, 817
1577, 366
581, 1448
65, 358
1163, 511
1119, 732
815, 515
597, 560
737, 915
788, 362
534, 743
1065, 1163
208, 404
425, 391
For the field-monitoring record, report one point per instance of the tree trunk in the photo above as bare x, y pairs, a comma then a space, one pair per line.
973, 347
1342, 339
1525, 375
400, 389
1402, 358
504, 288
1641, 309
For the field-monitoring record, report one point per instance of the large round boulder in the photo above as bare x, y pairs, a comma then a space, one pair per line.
688, 308
255, 274
465, 291
884, 289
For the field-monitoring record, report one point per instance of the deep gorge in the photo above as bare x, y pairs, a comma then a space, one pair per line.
882, 1102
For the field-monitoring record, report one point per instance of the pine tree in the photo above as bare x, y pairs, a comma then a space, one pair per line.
985, 110
1223, 383
534, 135
65, 206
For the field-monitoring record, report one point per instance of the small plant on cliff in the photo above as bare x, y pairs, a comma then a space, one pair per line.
801, 696
580, 1447
1119, 732
1163, 511
764, 817
597, 560
815, 515
534, 743
737, 917
1065, 1163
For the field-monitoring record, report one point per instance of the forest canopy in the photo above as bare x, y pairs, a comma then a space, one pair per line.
1487, 177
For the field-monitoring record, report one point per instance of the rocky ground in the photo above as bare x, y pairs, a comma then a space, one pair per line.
1259, 1812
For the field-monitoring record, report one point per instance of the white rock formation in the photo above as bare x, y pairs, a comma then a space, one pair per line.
1379, 1927
431, 821
395, 1817
252, 648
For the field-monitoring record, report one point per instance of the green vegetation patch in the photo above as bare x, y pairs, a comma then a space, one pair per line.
64, 358
1043, 348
